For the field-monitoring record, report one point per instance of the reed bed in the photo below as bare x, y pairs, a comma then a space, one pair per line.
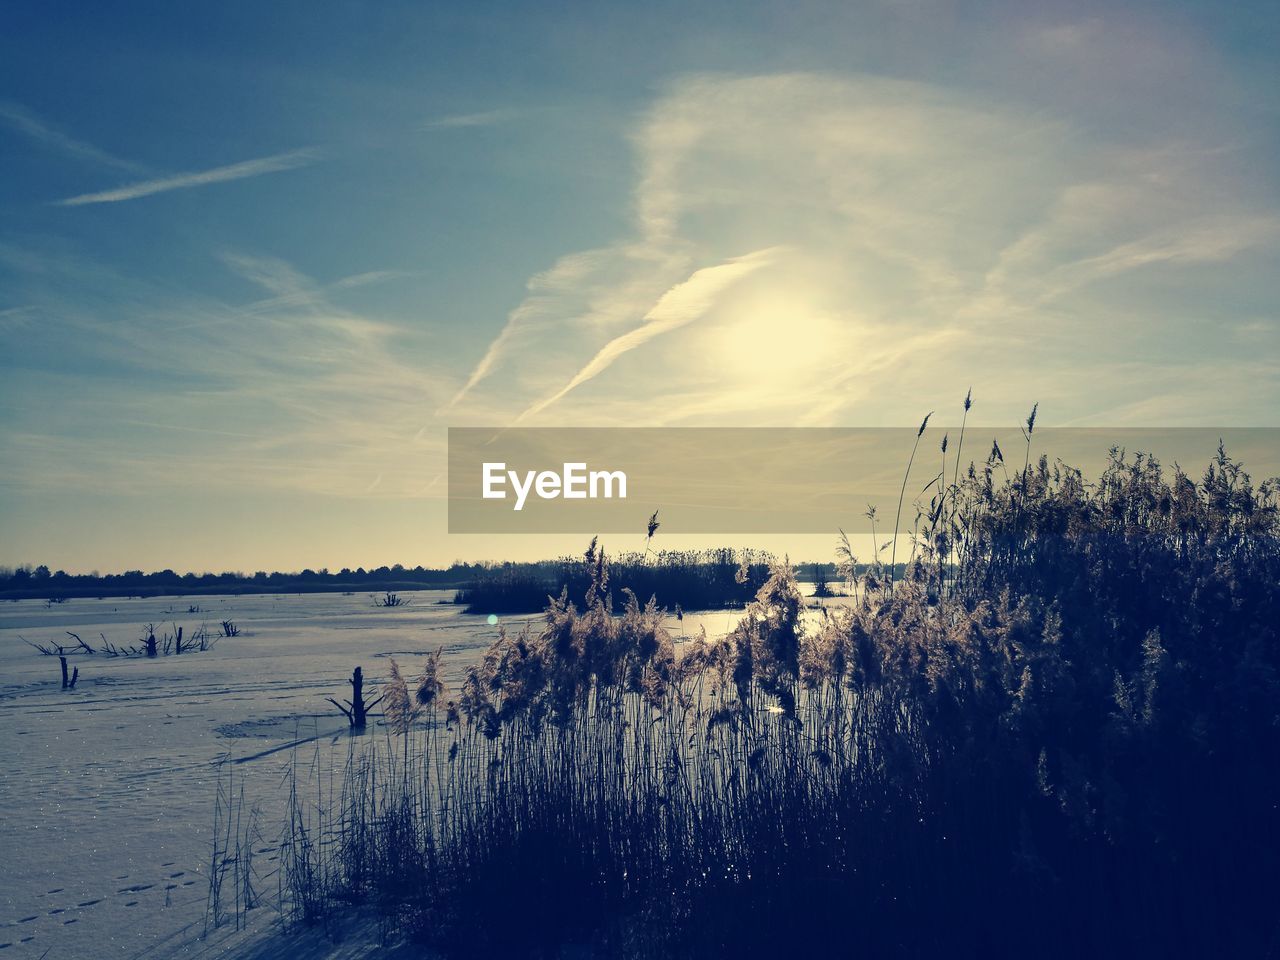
1056, 734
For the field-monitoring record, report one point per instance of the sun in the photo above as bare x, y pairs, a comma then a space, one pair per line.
773, 342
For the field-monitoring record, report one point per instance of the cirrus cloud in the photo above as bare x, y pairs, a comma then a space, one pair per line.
923, 237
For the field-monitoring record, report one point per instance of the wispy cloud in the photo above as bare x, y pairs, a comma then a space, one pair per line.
682, 304
366, 278
184, 181
546, 292
484, 118
928, 237
293, 393
31, 126
13, 318
34, 128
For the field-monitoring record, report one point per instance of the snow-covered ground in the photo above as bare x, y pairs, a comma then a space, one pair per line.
107, 791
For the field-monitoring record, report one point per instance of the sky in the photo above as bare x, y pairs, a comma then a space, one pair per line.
255, 259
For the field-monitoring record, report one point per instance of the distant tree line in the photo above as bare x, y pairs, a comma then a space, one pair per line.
27, 581
691, 579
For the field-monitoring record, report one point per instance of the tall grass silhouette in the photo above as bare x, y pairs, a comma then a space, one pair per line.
1055, 735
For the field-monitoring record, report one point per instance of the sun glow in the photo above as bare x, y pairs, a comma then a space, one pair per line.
774, 342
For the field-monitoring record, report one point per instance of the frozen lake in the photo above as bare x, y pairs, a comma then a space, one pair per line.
107, 791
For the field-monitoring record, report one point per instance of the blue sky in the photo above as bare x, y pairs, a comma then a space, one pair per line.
254, 259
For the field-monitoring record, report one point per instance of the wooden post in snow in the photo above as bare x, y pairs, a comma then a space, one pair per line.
356, 710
